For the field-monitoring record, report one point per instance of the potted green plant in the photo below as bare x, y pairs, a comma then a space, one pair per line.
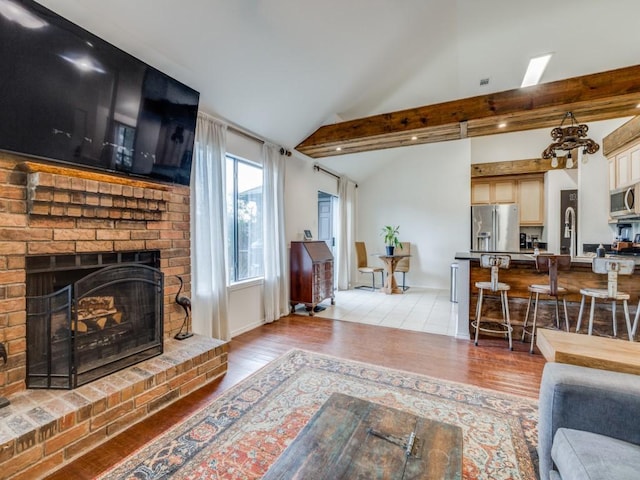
391, 240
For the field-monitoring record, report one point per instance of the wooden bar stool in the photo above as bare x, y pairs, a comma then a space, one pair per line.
612, 267
494, 262
550, 264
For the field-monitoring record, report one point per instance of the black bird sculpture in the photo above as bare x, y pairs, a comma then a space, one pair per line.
185, 303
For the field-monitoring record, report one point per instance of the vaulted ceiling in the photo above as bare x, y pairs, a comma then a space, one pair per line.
284, 68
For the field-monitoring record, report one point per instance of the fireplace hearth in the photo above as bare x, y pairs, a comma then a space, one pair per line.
90, 315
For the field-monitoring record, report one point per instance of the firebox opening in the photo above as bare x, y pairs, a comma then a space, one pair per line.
89, 315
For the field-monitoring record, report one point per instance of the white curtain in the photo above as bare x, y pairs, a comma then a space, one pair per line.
208, 235
276, 294
346, 231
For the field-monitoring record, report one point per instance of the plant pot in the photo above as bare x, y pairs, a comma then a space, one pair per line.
390, 250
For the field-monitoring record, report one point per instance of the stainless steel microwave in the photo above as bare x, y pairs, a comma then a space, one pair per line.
625, 202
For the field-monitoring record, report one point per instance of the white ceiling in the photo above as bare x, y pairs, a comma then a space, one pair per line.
282, 68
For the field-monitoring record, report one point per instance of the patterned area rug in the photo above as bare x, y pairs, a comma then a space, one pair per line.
241, 433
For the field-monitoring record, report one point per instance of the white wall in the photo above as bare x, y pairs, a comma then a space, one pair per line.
425, 191
509, 146
302, 184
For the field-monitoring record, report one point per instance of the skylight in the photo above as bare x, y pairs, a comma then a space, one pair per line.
536, 68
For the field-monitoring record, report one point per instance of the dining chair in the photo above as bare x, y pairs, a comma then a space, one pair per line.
363, 266
403, 264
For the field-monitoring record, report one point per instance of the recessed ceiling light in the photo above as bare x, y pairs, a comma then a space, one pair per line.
502, 125
536, 68
338, 149
414, 138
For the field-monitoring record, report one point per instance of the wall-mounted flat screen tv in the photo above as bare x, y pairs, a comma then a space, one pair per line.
66, 95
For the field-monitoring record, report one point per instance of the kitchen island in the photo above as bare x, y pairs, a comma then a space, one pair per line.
522, 273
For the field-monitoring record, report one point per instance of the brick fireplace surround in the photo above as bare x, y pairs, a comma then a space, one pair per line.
47, 209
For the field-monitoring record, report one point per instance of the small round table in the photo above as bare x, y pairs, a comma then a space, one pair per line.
390, 262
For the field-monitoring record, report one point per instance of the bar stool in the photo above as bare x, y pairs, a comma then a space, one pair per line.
550, 264
612, 267
494, 262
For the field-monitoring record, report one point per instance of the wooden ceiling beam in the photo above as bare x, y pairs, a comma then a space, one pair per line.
600, 96
518, 167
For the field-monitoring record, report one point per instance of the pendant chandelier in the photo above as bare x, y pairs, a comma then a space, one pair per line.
565, 139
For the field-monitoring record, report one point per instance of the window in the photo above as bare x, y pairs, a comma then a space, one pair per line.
244, 219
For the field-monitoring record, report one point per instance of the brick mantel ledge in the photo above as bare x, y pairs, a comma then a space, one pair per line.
43, 429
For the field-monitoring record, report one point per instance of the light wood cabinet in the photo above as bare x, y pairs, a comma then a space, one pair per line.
505, 191
531, 201
485, 192
525, 190
480, 193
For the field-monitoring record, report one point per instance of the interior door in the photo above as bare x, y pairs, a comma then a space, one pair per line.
327, 221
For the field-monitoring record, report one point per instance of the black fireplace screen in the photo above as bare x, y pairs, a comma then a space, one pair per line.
107, 320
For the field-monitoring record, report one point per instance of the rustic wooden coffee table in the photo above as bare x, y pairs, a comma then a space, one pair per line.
350, 438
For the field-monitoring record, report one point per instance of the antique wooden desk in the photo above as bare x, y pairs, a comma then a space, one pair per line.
355, 439
604, 353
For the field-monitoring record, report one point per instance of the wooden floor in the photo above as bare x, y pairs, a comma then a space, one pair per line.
490, 365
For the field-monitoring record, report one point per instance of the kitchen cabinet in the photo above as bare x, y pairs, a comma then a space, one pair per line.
622, 169
634, 160
525, 190
480, 193
310, 274
485, 192
624, 166
531, 201
612, 173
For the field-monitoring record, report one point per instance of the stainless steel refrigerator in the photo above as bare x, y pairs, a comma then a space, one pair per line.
495, 228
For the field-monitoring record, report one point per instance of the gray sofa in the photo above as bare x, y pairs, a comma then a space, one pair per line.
589, 424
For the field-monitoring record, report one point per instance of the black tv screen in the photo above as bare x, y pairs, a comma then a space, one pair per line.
68, 96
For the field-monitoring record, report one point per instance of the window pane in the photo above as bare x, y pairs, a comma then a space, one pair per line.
244, 220
231, 218
249, 211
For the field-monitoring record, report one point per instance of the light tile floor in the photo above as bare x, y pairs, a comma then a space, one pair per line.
418, 309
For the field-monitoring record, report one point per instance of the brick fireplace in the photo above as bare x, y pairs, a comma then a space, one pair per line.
48, 210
